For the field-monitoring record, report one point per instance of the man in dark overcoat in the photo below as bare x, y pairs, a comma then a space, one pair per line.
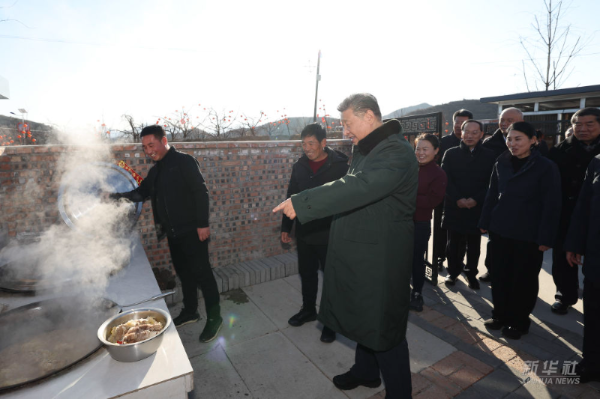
572, 156
318, 165
582, 240
440, 236
468, 168
366, 290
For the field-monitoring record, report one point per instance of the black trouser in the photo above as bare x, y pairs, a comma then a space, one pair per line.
190, 258
456, 252
566, 278
310, 256
422, 234
591, 325
440, 236
488, 254
394, 365
516, 266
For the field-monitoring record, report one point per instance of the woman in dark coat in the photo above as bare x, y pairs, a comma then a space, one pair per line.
521, 213
431, 191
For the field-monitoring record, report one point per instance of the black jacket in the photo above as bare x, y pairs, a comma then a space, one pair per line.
572, 160
584, 230
447, 142
336, 166
468, 177
524, 205
178, 194
496, 143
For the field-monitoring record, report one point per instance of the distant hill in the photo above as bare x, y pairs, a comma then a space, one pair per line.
480, 110
406, 111
43, 134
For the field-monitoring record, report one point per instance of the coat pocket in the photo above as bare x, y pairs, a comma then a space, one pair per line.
361, 235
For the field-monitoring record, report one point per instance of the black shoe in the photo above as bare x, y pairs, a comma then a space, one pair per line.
347, 381
473, 283
416, 302
211, 329
328, 335
485, 277
185, 318
303, 316
559, 308
493, 324
513, 333
440, 264
449, 280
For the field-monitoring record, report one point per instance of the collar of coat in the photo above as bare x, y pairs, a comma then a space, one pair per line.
506, 156
366, 145
168, 155
465, 147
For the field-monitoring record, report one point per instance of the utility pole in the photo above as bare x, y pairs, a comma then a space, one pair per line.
317, 89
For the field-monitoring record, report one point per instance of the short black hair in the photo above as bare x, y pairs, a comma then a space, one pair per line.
462, 112
155, 130
523, 127
314, 129
462, 127
432, 138
590, 111
360, 103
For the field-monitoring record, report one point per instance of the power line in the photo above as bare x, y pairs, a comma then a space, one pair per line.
82, 43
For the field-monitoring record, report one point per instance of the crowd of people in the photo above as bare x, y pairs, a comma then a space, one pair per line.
509, 186
368, 224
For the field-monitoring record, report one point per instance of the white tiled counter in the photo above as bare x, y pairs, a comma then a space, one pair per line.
166, 374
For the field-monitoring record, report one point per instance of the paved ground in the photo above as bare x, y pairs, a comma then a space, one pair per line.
258, 355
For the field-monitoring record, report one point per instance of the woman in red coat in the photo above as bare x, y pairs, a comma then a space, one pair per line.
431, 191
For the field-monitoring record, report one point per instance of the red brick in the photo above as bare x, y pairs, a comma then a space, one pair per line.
433, 392
449, 364
444, 322
465, 333
467, 376
472, 362
419, 383
446, 384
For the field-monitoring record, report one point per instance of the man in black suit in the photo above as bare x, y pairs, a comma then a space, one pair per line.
468, 168
440, 236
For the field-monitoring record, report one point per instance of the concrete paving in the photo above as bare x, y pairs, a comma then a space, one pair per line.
258, 355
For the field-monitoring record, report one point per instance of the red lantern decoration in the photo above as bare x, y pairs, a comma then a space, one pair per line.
33, 140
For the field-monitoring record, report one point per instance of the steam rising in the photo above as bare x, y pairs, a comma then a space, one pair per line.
81, 258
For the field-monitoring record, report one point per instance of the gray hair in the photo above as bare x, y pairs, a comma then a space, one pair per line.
513, 109
360, 103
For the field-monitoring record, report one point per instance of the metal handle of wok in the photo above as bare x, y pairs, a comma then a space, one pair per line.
154, 298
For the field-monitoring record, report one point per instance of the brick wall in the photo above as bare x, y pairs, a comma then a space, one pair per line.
245, 179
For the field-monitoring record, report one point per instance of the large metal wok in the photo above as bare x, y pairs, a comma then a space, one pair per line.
46, 337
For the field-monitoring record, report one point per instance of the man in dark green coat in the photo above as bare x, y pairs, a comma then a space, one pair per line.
366, 290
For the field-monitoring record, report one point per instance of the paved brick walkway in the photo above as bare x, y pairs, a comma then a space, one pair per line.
258, 355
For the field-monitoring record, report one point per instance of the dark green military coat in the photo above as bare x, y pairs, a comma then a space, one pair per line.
366, 289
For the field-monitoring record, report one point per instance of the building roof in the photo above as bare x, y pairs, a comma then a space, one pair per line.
573, 92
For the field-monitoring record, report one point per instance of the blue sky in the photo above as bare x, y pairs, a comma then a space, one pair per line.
71, 63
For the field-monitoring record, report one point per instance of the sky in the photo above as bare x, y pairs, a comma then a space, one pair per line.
74, 63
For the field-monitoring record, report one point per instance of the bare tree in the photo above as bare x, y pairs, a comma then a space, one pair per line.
219, 124
134, 130
553, 40
182, 126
